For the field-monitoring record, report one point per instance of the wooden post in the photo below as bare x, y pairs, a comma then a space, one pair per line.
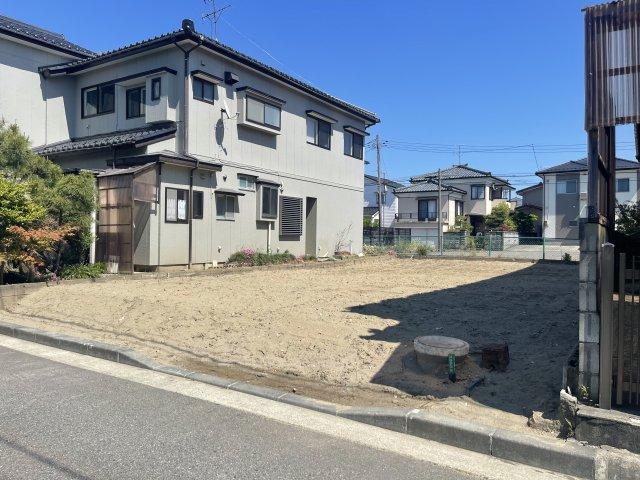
621, 322
606, 321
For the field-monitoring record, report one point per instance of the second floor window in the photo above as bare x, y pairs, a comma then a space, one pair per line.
203, 90
136, 98
477, 192
567, 186
263, 113
156, 88
319, 132
353, 144
98, 100
427, 210
622, 185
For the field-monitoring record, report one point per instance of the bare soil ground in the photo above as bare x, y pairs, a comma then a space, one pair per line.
343, 332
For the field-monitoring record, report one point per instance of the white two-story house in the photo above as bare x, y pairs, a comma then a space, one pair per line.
564, 195
198, 149
463, 191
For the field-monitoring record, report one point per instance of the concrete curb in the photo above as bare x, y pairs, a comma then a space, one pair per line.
566, 457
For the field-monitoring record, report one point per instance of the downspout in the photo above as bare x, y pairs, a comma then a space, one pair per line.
185, 134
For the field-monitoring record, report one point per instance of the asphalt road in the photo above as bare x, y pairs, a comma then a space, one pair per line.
62, 422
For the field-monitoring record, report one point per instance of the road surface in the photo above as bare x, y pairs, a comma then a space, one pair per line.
69, 416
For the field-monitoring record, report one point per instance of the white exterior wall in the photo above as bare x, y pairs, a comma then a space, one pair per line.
390, 207
43, 109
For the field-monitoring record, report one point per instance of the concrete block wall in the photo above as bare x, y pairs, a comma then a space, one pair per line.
591, 238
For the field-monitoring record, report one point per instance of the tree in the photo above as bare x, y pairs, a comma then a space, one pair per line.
58, 207
463, 224
525, 222
500, 218
628, 218
368, 222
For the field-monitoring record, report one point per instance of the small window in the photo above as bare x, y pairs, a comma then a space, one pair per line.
203, 90
98, 100
198, 204
459, 207
263, 113
319, 132
477, 192
246, 182
622, 185
353, 145
156, 88
136, 99
176, 205
269, 201
567, 186
225, 206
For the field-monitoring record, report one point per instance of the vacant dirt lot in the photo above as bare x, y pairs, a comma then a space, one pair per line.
342, 331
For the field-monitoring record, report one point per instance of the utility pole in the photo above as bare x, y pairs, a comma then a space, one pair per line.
379, 191
439, 212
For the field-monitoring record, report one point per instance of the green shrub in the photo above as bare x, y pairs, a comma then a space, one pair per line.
423, 250
376, 249
83, 270
566, 258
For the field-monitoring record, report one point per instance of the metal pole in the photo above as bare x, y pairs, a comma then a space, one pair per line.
379, 191
543, 249
439, 212
622, 277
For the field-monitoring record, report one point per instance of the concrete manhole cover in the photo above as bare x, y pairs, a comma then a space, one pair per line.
433, 350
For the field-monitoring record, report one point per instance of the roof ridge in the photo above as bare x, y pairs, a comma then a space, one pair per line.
228, 51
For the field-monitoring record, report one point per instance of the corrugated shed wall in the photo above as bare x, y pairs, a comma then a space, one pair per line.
612, 64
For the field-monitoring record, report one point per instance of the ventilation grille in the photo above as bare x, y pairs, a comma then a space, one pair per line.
290, 216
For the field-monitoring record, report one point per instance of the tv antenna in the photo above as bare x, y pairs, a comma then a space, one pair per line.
214, 16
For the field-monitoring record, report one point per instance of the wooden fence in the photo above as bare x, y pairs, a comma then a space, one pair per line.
626, 339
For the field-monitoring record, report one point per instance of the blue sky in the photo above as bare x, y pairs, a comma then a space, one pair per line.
486, 75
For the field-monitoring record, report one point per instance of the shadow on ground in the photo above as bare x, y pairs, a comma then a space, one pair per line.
534, 310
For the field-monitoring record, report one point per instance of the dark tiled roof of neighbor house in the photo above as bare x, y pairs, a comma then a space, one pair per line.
215, 46
428, 186
581, 166
384, 181
30, 33
137, 137
529, 188
456, 172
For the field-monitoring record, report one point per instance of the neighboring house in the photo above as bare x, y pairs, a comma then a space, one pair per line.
389, 200
564, 196
531, 203
199, 150
465, 191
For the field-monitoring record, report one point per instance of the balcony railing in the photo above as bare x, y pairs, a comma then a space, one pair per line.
420, 217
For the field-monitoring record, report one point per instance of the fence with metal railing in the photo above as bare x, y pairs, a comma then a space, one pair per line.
498, 245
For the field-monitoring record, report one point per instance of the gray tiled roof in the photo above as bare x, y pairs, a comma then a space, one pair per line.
31, 33
225, 50
581, 166
428, 186
384, 181
530, 187
135, 137
456, 172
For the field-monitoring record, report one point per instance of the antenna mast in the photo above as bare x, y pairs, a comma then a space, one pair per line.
214, 16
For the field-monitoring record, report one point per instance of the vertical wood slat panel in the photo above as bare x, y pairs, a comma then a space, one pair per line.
612, 64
